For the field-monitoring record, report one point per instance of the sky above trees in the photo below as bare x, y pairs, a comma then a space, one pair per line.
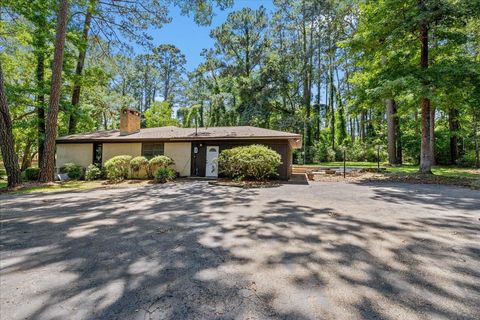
191, 38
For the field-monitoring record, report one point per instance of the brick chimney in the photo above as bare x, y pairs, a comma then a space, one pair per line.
129, 121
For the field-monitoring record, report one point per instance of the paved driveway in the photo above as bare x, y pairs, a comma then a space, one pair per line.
195, 251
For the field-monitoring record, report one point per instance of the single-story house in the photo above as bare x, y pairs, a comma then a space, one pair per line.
193, 149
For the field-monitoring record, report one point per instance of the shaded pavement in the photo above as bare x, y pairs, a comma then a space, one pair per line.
194, 251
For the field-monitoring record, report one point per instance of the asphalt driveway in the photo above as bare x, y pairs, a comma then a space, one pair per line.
195, 251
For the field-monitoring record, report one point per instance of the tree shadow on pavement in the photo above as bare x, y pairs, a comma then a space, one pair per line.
194, 251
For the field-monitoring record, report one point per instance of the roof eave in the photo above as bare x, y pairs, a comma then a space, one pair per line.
182, 139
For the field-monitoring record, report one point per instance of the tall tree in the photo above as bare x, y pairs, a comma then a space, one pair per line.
242, 41
426, 151
9, 156
37, 13
170, 62
47, 168
82, 52
392, 130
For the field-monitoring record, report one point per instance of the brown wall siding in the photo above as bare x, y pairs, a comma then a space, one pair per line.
280, 146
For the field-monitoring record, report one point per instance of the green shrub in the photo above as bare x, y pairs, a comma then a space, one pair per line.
468, 159
158, 162
255, 162
93, 172
74, 171
165, 174
31, 174
364, 152
2, 173
117, 167
137, 164
323, 152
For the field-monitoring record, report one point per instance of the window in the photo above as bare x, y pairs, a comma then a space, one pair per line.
152, 149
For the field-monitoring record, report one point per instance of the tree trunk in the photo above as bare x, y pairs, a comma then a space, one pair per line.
10, 160
26, 157
332, 108
201, 111
432, 134
47, 169
307, 92
426, 157
363, 125
392, 131
352, 129
454, 126
475, 137
399, 141
82, 53
319, 100
105, 121
40, 74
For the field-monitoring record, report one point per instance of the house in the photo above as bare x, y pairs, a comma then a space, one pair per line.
193, 149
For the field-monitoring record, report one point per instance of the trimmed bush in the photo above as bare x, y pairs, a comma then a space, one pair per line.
165, 174
158, 162
137, 164
74, 171
256, 162
31, 174
93, 172
117, 167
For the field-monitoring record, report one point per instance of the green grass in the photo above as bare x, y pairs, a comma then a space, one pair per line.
55, 187
446, 171
349, 164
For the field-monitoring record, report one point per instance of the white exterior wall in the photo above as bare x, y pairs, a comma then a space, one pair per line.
78, 153
181, 153
111, 150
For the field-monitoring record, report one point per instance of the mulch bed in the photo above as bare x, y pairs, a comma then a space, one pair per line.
245, 184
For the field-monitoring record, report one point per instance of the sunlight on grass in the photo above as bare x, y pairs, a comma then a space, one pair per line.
55, 187
446, 171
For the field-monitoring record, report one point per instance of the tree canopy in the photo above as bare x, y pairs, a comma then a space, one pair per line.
358, 74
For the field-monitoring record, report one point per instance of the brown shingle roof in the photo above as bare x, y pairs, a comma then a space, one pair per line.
182, 134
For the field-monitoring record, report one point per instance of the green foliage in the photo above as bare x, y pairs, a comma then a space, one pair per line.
117, 168
74, 171
263, 69
165, 174
93, 172
364, 153
158, 162
255, 162
31, 174
137, 164
323, 152
159, 115
469, 159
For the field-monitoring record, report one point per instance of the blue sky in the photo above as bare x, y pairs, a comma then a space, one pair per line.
190, 38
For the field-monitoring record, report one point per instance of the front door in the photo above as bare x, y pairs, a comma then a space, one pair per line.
212, 166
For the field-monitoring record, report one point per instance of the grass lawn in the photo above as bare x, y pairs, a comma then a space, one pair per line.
446, 171
54, 187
